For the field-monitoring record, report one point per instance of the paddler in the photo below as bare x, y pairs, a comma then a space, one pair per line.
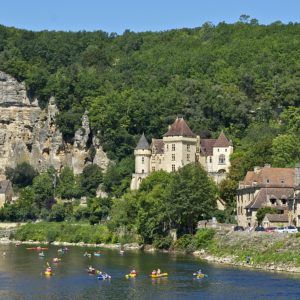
133, 272
158, 272
153, 272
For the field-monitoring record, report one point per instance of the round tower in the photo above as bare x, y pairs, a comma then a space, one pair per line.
142, 155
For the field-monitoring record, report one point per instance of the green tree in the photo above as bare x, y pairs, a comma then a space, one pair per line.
43, 187
193, 197
90, 180
67, 187
22, 175
57, 213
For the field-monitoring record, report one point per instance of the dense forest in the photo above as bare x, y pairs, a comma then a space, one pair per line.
243, 78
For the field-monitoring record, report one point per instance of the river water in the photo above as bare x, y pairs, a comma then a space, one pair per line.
21, 277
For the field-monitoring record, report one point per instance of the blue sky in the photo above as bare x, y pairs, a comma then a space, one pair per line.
139, 15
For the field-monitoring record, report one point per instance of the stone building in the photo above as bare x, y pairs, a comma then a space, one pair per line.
179, 147
6, 192
265, 187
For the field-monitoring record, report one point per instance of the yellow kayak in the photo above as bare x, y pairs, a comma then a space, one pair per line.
47, 273
160, 275
130, 275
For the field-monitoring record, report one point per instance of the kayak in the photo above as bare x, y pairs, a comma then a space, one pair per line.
41, 254
97, 254
56, 260
160, 275
91, 271
199, 276
130, 275
37, 248
103, 277
48, 273
87, 254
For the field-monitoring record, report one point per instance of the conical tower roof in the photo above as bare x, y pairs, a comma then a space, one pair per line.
143, 143
180, 128
222, 141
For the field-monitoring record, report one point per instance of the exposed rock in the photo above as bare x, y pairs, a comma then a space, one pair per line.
28, 133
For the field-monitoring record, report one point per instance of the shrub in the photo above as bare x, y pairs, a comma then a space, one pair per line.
186, 242
162, 242
203, 237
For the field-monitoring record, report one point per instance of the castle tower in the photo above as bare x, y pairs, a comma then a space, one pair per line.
179, 145
142, 155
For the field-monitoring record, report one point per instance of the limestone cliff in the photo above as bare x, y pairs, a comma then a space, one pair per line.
28, 133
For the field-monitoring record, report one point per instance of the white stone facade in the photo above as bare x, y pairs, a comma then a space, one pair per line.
179, 147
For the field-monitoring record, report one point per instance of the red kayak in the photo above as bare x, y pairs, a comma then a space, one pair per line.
37, 248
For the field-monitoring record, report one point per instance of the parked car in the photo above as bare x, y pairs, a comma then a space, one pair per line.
259, 228
238, 228
271, 229
280, 230
291, 229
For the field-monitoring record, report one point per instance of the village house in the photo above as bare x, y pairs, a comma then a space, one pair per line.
179, 147
6, 192
268, 187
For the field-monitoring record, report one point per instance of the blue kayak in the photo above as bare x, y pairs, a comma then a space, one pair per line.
103, 276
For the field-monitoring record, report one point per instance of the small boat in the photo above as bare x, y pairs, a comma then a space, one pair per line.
56, 260
159, 275
131, 275
103, 276
48, 271
65, 249
97, 254
41, 254
91, 270
87, 254
37, 248
200, 276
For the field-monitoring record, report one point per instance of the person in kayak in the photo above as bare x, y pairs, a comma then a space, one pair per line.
153, 272
199, 272
133, 272
158, 272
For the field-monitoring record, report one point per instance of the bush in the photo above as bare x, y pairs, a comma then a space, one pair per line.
162, 242
186, 243
203, 237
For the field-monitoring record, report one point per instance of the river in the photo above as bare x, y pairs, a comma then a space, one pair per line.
21, 277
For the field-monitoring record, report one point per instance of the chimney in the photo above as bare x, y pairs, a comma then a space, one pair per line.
297, 175
256, 169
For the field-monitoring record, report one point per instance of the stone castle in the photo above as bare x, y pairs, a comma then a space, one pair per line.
179, 147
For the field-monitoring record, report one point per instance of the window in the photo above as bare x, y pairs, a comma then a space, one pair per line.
188, 148
283, 201
159, 161
173, 168
173, 147
273, 201
222, 159
167, 147
173, 157
210, 159
153, 169
218, 150
226, 150
143, 160
188, 157
143, 171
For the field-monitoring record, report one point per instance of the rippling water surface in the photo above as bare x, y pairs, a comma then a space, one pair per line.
21, 277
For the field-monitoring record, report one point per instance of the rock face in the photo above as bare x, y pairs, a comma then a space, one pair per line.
28, 133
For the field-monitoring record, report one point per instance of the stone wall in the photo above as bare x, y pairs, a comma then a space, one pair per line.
28, 133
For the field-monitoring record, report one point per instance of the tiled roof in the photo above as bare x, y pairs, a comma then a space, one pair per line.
222, 141
277, 217
157, 146
143, 143
4, 184
271, 176
207, 146
180, 128
265, 194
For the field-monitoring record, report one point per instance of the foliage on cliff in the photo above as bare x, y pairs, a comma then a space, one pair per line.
241, 77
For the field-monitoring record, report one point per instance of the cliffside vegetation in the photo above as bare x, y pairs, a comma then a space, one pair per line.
242, 78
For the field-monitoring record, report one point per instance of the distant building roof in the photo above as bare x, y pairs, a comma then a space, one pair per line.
222, 141
207, 146
265, 194
143, 143
180, 128
4, 184
284, 177
157, 146
277, 218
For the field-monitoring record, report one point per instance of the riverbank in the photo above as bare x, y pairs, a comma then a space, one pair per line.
270, 252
